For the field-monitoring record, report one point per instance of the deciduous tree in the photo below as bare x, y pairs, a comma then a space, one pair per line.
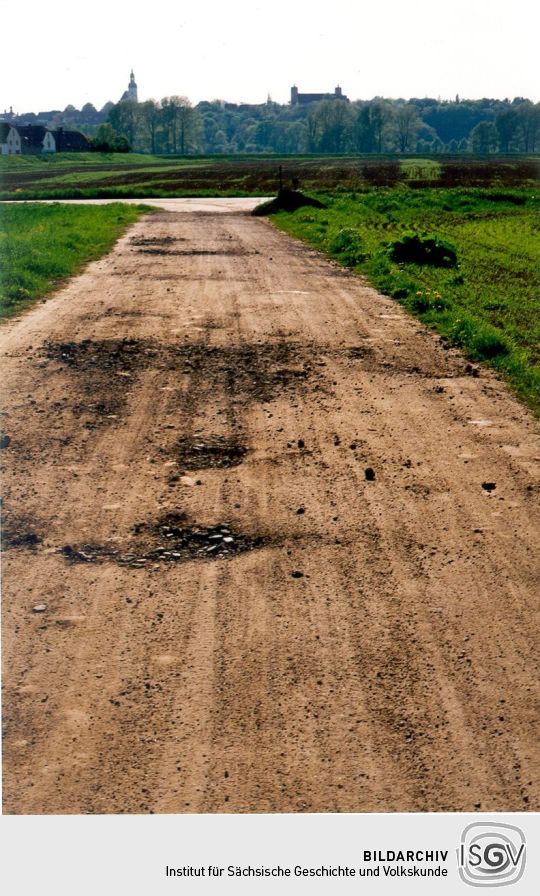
484, 138
407, 123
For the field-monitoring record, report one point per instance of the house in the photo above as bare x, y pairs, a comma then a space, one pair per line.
35, 138
10, 140
71, 141
303, 99
7, 115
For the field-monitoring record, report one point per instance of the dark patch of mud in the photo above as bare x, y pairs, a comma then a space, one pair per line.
357, 352
181, 541
370, 361
106, 372
199, 252
18, 532
213, 325
90, 553
103, 410
213, 453
171, 539
115, 355
251, 372
155, 240
123, 314
217, 276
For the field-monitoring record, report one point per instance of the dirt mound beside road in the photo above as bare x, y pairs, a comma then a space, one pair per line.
286, 201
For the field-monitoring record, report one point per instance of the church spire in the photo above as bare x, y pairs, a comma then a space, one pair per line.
131, 92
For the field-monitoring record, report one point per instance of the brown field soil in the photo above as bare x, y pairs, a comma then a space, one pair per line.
113, 174
268, 546
260, 175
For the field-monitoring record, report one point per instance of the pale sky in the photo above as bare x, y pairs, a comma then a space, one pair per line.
56, 52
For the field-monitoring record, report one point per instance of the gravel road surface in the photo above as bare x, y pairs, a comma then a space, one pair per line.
268, 546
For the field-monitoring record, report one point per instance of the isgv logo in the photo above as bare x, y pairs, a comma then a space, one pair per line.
491, 854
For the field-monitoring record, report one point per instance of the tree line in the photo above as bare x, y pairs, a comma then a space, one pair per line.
173, 125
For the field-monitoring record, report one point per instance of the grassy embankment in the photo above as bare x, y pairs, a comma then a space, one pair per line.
488, 305
42, 244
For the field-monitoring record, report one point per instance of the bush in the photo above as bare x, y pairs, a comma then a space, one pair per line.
117, 144
428, 250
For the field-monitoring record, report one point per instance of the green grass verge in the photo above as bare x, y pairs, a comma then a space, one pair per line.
50, 161
133, 192
40, 245
488, 305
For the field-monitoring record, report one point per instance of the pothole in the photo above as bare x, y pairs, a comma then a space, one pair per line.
172, 539
181, 541
218, 253
155, 240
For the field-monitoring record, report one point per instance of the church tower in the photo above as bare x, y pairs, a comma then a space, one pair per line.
132, 89
131, 92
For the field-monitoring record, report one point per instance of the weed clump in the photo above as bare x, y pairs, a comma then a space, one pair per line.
482, 341
347, 246
426, 300
428, 250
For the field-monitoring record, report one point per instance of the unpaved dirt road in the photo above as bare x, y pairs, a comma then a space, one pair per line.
235, 618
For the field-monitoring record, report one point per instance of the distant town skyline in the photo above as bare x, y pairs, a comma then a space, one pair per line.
243, 51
